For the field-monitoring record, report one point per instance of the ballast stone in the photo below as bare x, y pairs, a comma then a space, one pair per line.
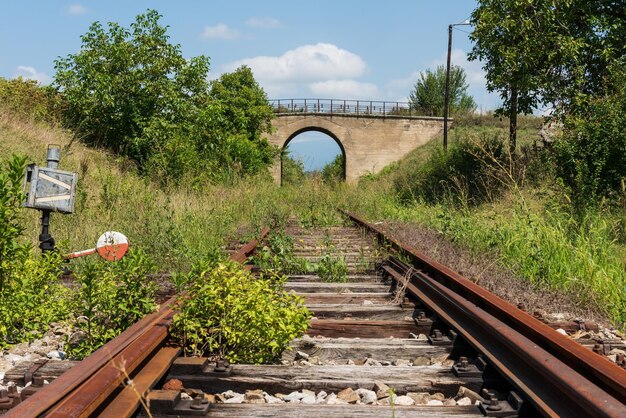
367, 396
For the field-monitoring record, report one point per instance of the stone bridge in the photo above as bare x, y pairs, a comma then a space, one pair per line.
370, 134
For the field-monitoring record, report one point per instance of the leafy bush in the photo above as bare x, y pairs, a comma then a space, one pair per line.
230, 313
469, 172
30, 295
132, 91
32, 299
334, 170
111, 297
590, 158
26, 98
332, 269
292, 170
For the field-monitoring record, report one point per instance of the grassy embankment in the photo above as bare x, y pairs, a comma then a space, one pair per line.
175, 225
526, 227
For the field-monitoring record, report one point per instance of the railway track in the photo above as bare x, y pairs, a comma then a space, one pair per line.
399, 336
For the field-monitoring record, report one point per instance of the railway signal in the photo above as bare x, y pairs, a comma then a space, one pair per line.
111, 246
49, 189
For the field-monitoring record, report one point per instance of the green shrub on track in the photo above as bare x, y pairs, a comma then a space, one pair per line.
332, 269
278, 256
110, 298
232, 314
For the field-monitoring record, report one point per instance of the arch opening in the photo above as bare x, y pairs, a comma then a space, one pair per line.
312, 152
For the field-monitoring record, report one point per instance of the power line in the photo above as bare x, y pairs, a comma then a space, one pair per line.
461, 30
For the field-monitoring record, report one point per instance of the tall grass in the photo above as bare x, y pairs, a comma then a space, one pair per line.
546, 246
528, 227
177, 225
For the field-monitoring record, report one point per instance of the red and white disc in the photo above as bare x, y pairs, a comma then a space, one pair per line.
112, 245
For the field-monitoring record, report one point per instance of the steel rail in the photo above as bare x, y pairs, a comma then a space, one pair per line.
553, 387
53, 393
82, 390
244, 252
130, 398
595, 368
92, 393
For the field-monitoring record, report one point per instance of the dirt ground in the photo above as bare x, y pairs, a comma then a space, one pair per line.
485, 270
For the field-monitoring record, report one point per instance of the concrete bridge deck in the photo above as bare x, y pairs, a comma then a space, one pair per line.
370, 134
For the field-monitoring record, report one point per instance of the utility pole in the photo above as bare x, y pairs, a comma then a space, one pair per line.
446, 106
446, 111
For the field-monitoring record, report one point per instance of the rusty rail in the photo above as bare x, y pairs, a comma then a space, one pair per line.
244, 252
559, 376
83, 389
50, 395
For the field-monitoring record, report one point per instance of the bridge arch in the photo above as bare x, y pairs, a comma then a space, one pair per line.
369, 142
315, 129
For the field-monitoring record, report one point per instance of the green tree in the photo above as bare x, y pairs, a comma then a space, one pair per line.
504, 44
334, 170
428, 94
245, 116
590, 158
292, 169
124, 81
132, 91
547, 52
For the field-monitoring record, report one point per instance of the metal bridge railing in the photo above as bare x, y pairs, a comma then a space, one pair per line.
343, 107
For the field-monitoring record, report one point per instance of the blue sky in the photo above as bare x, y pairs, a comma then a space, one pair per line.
341, 49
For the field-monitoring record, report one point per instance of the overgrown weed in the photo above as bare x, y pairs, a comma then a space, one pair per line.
524, 224
331, 267
278, 255
229, 313
111, 296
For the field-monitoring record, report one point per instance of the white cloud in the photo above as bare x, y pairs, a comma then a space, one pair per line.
76, 9
280, 90
32, 74
303, 65
219, 31
263, 22
344, 89
304, 68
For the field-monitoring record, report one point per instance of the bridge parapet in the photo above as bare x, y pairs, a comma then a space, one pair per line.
345, 108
